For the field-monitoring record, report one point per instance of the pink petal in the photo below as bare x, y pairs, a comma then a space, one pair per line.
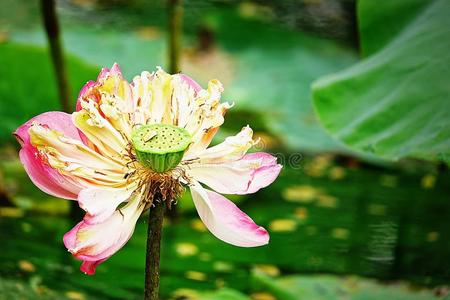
56, 120
46, 178
226, 221
83, 91
190, 82
115, 70
96, 242
88, 267
265, 174
244, 176
43, 176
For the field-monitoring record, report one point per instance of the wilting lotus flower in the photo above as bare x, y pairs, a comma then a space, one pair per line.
127, 144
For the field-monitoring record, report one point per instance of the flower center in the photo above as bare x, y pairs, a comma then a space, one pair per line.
160, 147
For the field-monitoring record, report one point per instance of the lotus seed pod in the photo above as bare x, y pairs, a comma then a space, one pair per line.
160, 147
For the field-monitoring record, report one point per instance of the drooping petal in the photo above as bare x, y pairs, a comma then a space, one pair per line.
225, 220
97, 242
43, 176
246, 175
101, 203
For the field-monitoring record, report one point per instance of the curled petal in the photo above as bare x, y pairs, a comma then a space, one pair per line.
244, 176
96, 242
191, 82
46, 178
74, 159
233, 148
225, 220
101, 203
84, 91
110, 98
88, 267
266, 173
55, 120
205, 116
43, 176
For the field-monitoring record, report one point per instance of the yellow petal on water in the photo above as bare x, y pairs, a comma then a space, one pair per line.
26, 227
195, 275
270, 270
311, 230
318, 166
301, 193
11, 212
186, 249
283, 225
327, 201
26, 266
74, 295
301, 213
336, 173
262, 296
219, 282
186, 294
205, 256
376, 209
340, 233
221, 266
4, 36
432, 236
148, 32
428, 181
198, 225
388, 181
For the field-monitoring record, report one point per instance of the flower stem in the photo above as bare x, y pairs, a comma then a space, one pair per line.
155, 221
175, 9
51, 25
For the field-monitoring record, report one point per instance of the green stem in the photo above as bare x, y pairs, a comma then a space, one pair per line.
155, 221
54, 39
175, 8
50, 19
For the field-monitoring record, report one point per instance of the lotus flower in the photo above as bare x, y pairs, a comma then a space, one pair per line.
90, 156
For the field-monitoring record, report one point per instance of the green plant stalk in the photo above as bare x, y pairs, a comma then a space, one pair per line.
175, 9
52, 30
51, 24
154, 233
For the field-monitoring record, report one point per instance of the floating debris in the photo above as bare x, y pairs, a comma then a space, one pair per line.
195, 275
186, 249
340, 233
428, 181
283, 225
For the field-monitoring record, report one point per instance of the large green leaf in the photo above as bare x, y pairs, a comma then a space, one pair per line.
379, 24
396, 102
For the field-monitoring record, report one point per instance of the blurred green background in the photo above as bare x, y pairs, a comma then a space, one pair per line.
353, 97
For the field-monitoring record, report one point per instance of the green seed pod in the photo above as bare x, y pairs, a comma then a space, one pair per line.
160, 147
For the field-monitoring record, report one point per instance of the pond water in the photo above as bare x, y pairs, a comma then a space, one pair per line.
340, 228
323, 217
